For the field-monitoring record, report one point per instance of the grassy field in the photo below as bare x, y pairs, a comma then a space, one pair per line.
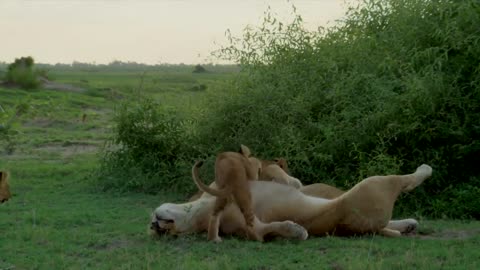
57, 218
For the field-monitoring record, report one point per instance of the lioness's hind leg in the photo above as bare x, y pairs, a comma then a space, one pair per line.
415, 179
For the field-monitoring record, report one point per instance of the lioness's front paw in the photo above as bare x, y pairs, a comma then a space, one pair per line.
294, 182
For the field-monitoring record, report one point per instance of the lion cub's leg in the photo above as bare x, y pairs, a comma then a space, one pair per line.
214, 222
244, 201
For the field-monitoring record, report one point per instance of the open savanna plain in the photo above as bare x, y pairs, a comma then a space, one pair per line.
59, 218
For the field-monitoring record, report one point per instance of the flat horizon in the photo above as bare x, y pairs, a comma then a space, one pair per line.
144, 31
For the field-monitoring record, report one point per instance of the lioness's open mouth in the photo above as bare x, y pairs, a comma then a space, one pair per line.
162, 226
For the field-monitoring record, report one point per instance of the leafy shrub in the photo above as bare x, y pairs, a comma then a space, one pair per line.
7, 137
199, 69
9, 125
148, 151
395, 85
21, 73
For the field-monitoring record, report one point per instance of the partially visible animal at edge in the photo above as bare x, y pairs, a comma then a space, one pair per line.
4, 187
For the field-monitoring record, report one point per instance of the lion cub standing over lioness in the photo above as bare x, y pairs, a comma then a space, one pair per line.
232, 173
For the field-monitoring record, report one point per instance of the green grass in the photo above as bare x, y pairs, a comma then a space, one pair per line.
57, 218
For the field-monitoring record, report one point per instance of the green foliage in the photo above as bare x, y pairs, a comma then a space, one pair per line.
395, 85
149, 150
21, 73
7, 134
9, 125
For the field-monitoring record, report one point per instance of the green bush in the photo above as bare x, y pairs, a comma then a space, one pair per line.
199, 69
149, 150
395, 85
9, 125
21, 73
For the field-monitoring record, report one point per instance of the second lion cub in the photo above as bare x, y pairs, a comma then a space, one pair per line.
232, 172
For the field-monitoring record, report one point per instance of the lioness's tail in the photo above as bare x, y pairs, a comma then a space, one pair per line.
202, 186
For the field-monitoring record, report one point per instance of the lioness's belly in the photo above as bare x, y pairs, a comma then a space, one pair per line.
271, 202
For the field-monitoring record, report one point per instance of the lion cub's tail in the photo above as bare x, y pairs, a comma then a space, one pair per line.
202, 186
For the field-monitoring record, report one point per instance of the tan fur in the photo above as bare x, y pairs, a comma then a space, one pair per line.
322, 191
325, 191
275, 173
281, 162
232, 173
272, 170
4, 187
365, 208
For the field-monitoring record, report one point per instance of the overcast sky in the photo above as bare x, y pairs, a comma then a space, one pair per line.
146, 31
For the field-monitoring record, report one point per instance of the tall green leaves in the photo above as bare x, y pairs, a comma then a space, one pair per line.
394, 85
149, 151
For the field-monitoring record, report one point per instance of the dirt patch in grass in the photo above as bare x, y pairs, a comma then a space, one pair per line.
50, 85
47, 123
117, 244
47, 84
450, 234
68, 149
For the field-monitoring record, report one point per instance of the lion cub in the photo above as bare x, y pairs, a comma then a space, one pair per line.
232, 172
4, 188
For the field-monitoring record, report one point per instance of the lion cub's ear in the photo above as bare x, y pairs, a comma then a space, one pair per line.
2, 175
245, 150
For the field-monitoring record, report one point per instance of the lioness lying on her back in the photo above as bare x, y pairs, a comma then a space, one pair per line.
365, 208
232, 172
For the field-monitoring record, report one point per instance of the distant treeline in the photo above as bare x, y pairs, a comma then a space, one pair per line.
131, 66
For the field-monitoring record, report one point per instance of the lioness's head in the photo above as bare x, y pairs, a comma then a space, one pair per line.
172, 219
282, 163
4, 187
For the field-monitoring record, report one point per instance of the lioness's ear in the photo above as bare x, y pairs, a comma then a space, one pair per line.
1, 176
281, 162
245, 151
